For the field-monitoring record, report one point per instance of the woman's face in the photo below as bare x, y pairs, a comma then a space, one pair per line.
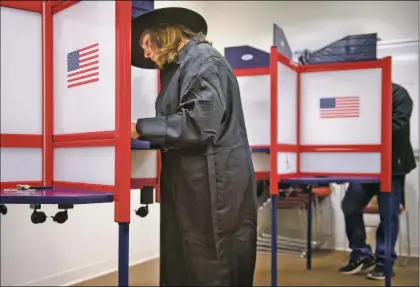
150, 51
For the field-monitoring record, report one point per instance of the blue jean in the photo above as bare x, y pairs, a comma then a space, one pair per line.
355, 200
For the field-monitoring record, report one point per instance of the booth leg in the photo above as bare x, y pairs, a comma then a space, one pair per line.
387, 201
309, 229
274, 240
123, 246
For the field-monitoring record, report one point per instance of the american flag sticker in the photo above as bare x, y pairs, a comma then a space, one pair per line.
339, 107
83, 66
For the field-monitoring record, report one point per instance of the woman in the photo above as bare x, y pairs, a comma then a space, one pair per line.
208, 188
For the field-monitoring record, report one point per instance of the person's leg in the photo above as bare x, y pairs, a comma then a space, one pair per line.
396, 195
355, 200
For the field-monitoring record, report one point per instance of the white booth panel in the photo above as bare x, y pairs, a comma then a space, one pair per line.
286, 162
21, 72
144, 92
84, 51
21, 164
341, 107
336, 162
261, 162
143, 164
286, 105
255, 98
95, 165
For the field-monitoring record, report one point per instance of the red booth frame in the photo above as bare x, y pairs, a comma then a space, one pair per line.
384, 148
119, 138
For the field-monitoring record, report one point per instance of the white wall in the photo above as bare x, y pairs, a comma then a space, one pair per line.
308, 24
313, 25
86, 246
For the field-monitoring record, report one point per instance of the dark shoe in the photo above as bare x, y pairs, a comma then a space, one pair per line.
356, 266
378, 273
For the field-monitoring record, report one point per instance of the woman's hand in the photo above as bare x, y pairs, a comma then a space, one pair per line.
134, 133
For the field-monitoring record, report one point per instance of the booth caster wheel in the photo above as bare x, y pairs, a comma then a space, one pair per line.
3, 209
38, 217
146, 198
60, 217
143, 211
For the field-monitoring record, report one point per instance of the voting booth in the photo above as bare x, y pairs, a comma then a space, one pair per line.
316, 120
331, 120
66, 95
315, 124
73, 130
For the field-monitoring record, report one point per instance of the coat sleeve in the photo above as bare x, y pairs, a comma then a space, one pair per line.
198, 119
402, 107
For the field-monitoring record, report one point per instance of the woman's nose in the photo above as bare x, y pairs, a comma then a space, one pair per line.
147, 55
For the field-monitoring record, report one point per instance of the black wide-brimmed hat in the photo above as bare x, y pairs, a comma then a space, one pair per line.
171, 16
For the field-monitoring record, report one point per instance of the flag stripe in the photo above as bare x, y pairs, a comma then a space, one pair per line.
83, 77
83, 83
340, 110
89, 64
83, 71
83, 66
89, 47
83, 60
339, 116
89, 53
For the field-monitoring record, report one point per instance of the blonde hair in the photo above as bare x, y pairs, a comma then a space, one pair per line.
167, 40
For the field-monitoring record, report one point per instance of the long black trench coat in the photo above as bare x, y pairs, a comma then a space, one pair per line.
208, 186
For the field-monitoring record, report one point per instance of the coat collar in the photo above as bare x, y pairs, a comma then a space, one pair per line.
182, 54
185, 50
197, 39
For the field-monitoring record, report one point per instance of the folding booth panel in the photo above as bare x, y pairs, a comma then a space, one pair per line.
91, 165
284, 114
341, 108
261, 162
84, 68
287, 95
85, 93
21, 98
341, 162
346, 103
20, 166
255, 97
144, 90
287, 163
251, 67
